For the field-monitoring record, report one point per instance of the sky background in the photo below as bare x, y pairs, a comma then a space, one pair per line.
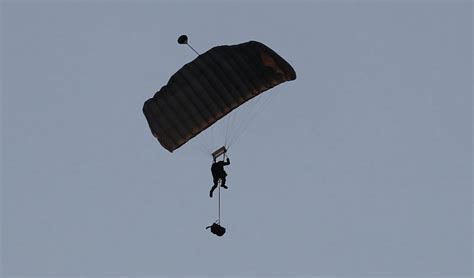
361, 166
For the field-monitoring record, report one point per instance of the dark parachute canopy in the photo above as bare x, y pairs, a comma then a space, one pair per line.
212, 85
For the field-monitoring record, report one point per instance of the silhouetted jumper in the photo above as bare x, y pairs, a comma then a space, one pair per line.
218, 173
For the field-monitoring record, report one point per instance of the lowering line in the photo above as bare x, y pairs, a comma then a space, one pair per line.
216, 227
219, 197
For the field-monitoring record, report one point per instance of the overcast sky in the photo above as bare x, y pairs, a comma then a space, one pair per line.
361, 166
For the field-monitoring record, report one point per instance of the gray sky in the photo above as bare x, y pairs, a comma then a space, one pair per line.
362, 166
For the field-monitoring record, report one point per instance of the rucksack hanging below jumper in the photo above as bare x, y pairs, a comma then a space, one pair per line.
216, 229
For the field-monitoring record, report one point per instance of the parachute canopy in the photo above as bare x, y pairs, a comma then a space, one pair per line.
212, 85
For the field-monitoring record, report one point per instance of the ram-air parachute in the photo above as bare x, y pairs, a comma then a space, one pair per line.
212, 85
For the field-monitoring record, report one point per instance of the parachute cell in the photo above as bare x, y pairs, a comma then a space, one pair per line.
212, 85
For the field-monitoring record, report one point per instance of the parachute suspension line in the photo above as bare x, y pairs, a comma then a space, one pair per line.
203, 148
229, 122
260, 103
207, 138
204, 143
256, 109
262, 106
221, 130
201, 145
248, 115
214, 130
250, 112
227, 128
238, 116
235, 125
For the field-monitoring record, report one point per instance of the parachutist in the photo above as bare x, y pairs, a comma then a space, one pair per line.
208, 88
218, 174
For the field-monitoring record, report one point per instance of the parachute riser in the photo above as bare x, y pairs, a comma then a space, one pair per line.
221, 151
